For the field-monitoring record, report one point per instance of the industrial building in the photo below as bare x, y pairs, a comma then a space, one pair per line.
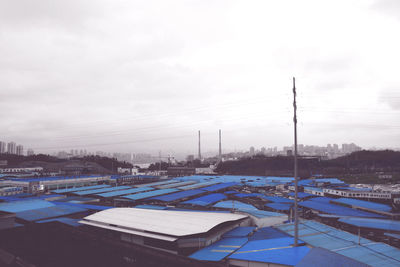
201, 220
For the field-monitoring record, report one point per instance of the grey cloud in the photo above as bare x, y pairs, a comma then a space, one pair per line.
388, 7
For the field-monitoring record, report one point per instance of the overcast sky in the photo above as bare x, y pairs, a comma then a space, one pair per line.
144, 76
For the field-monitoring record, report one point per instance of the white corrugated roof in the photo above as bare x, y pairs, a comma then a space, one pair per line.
165, 222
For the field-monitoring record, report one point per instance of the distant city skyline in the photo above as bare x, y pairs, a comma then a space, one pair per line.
105, 76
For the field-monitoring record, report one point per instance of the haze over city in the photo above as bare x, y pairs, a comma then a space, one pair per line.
146, 76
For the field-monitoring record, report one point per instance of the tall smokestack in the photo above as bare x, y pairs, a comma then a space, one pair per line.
220, 146
199, 147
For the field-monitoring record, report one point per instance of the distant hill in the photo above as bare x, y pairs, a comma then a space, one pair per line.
86, 164
361, 162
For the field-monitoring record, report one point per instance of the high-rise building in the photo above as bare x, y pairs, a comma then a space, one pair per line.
20, 150
2, 147
11, 148
30, 152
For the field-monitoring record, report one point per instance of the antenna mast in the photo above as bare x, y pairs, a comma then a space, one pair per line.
296, 214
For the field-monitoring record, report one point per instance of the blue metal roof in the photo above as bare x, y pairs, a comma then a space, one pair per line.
329, 180
23, 205
206, 200
336, 209
393, 235
217, 187
267, 233
101, 190
278, 250
84, 206
277, 199
279, 206
389, 225
326, 258
64, 220
344, 243
175, 185
75, 189
234, 204
241, 231
198, 185
48, 212
246, 195
301, 195
179, 195
219, 250
125, 192
159, 183
149, 194
263, 213
363, 204
230, 192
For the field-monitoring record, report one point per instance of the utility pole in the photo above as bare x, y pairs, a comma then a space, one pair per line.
199, 147
296, 214
220, 147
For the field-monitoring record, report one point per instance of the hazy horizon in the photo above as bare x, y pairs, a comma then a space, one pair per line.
130, 76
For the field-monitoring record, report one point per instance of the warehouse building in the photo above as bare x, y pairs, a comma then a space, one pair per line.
179, 232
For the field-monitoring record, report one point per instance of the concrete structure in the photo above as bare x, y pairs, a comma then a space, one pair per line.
20, 150
12, 148
21, 170
30, 152
2, 147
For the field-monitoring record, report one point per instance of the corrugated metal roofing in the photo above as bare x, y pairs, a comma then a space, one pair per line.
314, 188
389, 225
336, 209
234, 204
279, 206
175, 185
278, 250
326, 258
101, 190
64, 220
344, 243
246, 195
198, 185
301, 195
217, 187
241, 231
84, 206
179, 195
206, 200
219, 250
393, 235
363, 204
160, 222
158, 183
277, 199
151, 207
267, 233
23, 205
149, 194
75, 189
263, 213
125, 192
48, 212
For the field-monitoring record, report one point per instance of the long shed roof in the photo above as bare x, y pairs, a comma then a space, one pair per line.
171, 224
